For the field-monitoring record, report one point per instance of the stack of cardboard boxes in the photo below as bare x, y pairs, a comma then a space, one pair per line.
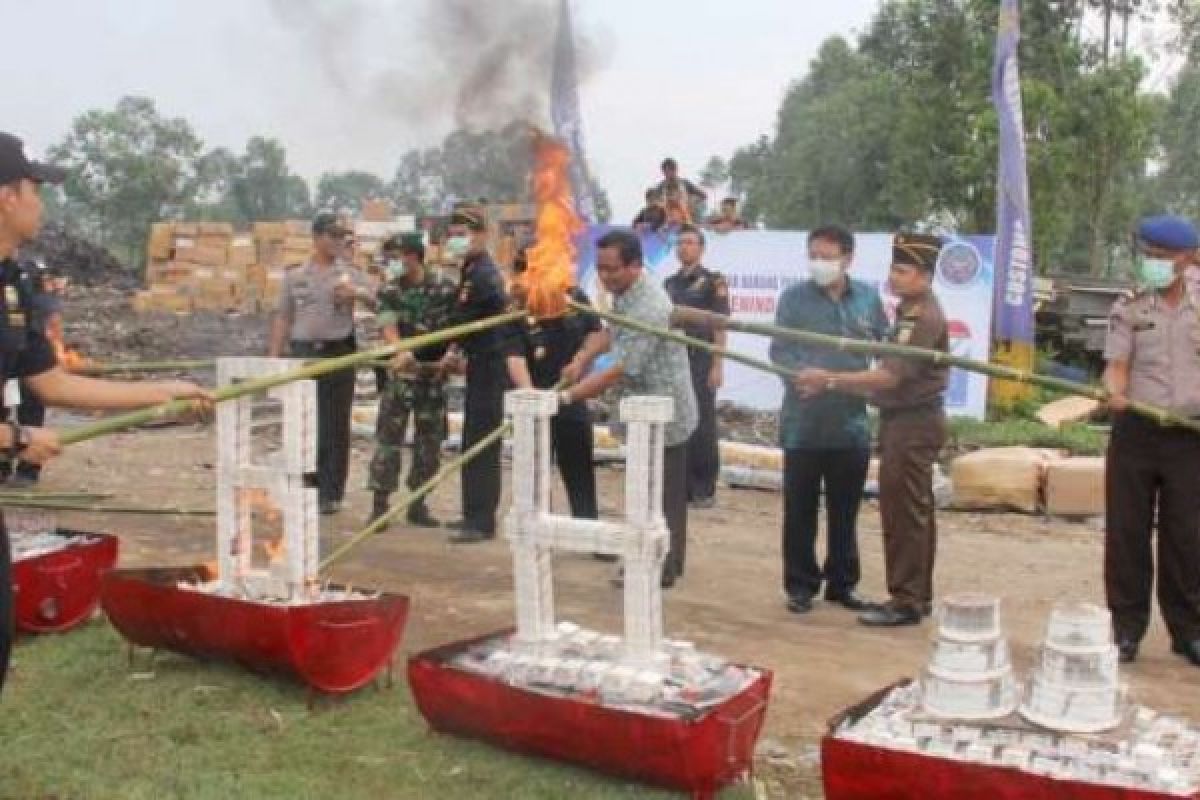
209, 266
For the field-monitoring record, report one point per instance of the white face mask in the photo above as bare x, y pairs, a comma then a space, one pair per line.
457, 246
824, 273
395, 268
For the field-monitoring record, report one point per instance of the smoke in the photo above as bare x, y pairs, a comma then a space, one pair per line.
476, 63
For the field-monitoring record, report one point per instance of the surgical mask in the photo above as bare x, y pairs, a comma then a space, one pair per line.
1156, 273
395, 268
825, 273
457, 246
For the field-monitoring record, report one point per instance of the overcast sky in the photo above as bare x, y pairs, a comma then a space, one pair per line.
690, 79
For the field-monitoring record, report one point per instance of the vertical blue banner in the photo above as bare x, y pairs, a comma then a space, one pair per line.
566, 114
1014, 245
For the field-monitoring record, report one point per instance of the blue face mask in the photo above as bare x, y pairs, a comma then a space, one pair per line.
1156, 273
457, 246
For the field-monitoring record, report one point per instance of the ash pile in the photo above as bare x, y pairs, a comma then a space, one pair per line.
85, 263
35, 544
268, 587
590, 667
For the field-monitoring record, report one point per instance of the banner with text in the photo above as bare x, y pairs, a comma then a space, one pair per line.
759, 265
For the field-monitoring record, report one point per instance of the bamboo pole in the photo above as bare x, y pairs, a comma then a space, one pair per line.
50, 505
696, 316
420, 493
314, 369
96, 368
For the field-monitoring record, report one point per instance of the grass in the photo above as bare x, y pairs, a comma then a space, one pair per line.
1079, 440
77, 722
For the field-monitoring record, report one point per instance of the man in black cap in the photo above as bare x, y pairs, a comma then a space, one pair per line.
316, 320
26, 354
912, 430
1152, 472
481, 294
538, 356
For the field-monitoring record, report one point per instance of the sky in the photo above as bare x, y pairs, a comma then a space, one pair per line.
689, 79
353, 84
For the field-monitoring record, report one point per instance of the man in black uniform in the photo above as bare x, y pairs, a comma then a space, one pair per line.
537, 358
696, 286
25, 352
480, 294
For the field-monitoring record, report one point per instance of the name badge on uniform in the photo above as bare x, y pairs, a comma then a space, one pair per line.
904, 333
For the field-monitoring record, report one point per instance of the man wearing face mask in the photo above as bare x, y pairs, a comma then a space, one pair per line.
825, 438
480, 294
1153, 354
413, 301
696, 286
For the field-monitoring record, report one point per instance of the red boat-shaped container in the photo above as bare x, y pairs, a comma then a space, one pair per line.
332, 647
58, 590
699, 755
858, 771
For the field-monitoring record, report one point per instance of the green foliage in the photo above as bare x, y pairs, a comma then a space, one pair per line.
346, 191
1081, 440
126, 169
78, 722
257, 185
898, 129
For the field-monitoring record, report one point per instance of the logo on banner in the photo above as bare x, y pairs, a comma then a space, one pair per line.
959, 265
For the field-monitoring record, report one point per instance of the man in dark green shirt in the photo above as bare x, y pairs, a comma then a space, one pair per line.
825, 438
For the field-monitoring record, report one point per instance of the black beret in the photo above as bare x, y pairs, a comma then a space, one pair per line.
919, 250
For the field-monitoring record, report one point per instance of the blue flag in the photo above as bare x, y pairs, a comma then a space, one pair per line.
566, 114
1014, 244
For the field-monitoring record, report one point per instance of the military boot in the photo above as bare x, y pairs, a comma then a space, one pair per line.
420, 517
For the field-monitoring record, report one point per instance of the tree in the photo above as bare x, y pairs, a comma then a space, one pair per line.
127, 168
341, 191
715, 173
264, 188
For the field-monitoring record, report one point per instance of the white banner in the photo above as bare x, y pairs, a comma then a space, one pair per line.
759, 265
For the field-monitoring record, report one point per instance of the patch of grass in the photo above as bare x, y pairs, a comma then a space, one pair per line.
76, 722
1080, 440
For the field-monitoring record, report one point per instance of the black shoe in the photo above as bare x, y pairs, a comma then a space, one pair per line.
1127, 650
471, 536
667, 580
703, 503
850, 600
889, 616
22, 480
419, 516
927, 609
608, 558
329, 507
1189, 650
799, 602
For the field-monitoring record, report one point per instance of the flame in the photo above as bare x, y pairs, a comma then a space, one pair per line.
68, 358
275, 551
260, 505
551, 260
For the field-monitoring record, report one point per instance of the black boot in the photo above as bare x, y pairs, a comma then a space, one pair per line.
379, 506
419, 516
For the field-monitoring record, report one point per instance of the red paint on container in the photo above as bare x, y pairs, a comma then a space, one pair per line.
57, 591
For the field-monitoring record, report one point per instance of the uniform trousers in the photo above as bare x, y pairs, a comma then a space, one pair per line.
572, 440
335, 402
483, 412
1152, 471
910, 441
704, 461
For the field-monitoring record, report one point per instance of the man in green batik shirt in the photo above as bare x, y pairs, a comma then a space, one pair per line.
413, 301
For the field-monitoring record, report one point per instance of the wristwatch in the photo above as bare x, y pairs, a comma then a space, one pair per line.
564, 397
831, 383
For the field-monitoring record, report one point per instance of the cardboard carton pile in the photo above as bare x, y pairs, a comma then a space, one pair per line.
210, 266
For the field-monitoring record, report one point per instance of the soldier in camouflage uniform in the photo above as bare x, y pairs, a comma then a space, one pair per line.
413, 301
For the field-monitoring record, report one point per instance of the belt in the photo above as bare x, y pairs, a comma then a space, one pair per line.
320, 347
924, 408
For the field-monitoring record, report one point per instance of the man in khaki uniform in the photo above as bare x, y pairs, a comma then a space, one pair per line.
1153, 353
912, 430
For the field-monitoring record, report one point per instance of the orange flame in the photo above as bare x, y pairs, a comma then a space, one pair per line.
68, 358
551, 260
259, 501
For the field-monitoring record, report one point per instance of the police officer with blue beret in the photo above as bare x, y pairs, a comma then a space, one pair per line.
1152, 471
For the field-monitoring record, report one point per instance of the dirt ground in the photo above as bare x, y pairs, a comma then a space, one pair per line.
729, 603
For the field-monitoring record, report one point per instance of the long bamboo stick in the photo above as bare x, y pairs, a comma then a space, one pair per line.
314, 369
420, 493
114, 368
49, 505
695, 316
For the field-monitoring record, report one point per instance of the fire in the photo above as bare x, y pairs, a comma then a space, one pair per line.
551, 260
68, 358
268, 515
275, 550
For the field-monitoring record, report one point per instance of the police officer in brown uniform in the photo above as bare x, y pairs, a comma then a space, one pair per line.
697, 286
1153, 353
316, 320
912, 430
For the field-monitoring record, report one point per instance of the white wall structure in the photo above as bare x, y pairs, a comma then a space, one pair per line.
640, 540
257, 462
